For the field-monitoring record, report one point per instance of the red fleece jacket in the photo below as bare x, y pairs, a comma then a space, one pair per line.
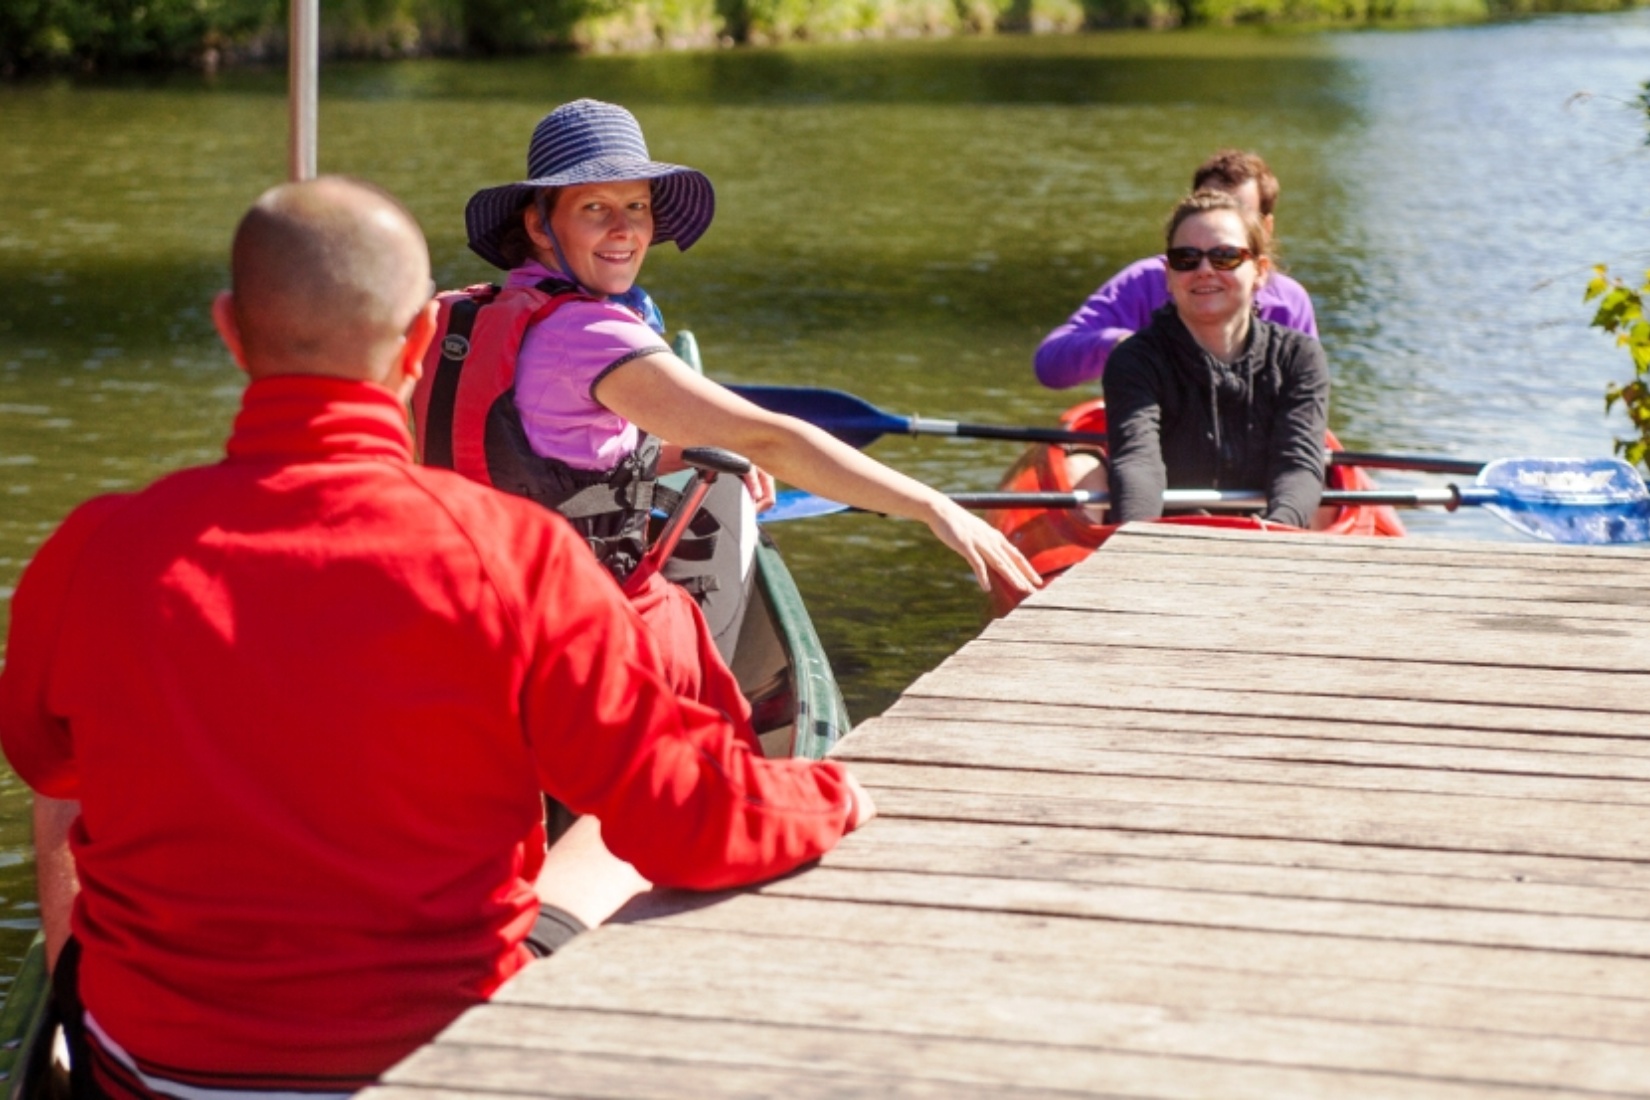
308, 698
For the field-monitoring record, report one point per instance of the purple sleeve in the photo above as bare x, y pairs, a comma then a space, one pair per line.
1285, 302
1076, 351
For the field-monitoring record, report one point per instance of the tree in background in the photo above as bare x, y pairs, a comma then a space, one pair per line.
1621, 312
123, 34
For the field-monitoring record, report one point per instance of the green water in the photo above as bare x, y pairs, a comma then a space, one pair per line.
901, 220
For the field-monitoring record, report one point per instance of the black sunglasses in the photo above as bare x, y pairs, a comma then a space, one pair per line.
1222, 258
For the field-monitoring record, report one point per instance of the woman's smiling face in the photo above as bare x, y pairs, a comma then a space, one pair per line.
604, 230
1204, 294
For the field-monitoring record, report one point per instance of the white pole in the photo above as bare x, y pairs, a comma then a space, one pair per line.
303, 68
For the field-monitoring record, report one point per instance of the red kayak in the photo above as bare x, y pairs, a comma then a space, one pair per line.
1055, 539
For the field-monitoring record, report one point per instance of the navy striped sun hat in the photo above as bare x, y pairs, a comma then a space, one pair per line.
588, 141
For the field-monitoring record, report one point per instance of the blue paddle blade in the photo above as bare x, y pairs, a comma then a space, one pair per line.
856, 422
1581, 501
797, 504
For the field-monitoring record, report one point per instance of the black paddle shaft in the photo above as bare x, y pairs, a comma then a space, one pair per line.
922, 425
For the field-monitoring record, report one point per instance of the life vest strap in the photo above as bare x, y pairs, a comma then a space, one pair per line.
455, 347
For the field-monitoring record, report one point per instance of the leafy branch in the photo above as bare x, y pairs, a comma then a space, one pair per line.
1621, 312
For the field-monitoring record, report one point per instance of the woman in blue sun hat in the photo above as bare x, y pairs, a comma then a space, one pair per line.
559, 386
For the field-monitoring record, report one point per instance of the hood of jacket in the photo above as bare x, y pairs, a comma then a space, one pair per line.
1228, 388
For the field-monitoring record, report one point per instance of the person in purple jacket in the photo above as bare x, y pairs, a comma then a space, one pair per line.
1077, 351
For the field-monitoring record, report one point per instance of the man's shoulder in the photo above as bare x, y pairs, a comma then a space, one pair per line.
84, 522
500, 525
1148, 271
1285, 288
466, 500
1127, 299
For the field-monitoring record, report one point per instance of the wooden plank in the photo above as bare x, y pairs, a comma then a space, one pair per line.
1363, 578
1506, 579
880, 851
525, 1071
1506, 642
986, 745
1271, 561
1256, 560
1320, 821
1135, 581
1510, 547
1104, 1003
1470, 552
1106, 845
853, 1052
1597, 831
1055, 940
1024, 725
1056, 673
1386, 569
1355, 920
1016, 675
1220, 989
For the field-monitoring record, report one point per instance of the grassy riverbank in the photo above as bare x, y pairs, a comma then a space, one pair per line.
91, 35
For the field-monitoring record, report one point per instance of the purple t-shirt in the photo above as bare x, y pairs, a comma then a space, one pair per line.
1076, 351
561, 360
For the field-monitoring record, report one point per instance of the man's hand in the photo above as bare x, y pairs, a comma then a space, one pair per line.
54, 869
864, 807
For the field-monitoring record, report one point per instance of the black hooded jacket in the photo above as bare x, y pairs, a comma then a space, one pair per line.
1178, 418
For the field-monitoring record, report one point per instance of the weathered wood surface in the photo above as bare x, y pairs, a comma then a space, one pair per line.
1172, 829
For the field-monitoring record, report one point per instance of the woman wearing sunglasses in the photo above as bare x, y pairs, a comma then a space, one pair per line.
1208, 395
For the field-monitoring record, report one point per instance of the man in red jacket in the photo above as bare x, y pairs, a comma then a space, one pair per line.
289, 717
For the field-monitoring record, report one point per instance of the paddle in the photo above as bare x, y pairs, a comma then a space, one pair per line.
1573, 501
859, 424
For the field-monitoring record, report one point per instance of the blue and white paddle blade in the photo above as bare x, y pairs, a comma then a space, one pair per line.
797, 504
1581, 501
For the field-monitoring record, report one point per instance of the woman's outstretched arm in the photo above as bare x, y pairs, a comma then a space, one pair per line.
665, 397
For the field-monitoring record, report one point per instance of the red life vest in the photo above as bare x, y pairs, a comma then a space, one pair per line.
464, 409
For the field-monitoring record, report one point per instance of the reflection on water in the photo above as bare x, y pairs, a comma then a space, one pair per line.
901, 220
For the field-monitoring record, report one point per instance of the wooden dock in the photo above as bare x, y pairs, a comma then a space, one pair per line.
1217, 816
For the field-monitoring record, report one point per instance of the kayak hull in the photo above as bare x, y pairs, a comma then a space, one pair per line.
761, 626
1055, 539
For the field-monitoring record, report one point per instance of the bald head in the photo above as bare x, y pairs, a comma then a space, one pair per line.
327, 274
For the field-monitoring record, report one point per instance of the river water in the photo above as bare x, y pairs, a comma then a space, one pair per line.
900, 220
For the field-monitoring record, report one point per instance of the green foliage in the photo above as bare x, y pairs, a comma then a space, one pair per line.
391, 28
1405, 12
513, 26
648, 25
126, 34
1136, 13
1621, 312
778, 20
123, 33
